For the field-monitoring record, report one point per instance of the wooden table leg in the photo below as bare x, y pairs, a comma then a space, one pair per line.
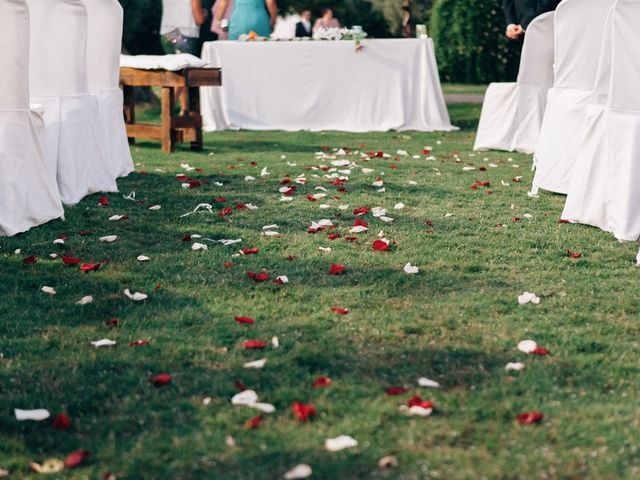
129, 108
168, 107
194, 113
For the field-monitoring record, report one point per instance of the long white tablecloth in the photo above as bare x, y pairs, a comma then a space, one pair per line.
390, 84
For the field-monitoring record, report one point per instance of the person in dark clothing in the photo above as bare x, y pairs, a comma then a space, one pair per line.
303, 27
520, 13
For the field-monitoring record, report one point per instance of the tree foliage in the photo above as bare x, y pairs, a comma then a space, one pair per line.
470, 43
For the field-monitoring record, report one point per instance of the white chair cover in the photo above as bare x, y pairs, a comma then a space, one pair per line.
605, 187
575, 71
512, 112
104, 39
58, 82
28, 189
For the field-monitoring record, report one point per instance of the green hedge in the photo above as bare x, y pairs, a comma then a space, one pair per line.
470, 43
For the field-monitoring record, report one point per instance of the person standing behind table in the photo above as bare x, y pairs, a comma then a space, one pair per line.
222, 28
179, 27
303, 27
520, 13
326, 21
249, 16
202, 15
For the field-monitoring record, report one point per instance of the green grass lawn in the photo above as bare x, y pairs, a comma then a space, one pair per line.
457, 322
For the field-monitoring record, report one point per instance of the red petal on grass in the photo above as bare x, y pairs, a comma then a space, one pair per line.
90, 267
249, 251
360, 223
351, 239
225, 211
425, 151
333, 236
63, 236
248, 320
540, 351
30, 260
258, 277
254, 344
186, 238
112, 322
311, 199
571, 254
285, 181
529, 418
336, 269
290, 191
74, 459
194, 183
61, 422
229, 265
69, 260
138, 343
241, 387
303, 411
416, 401
254, 422
181, 177
361, 211
104, 201
161, 379
393, 391
563, 221
340, 310
515, 219
321, 382
220, 200
241, 206
85, 233
482, 169
380, 246
291, 257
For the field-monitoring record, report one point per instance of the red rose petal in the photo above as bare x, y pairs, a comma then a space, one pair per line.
138, 343
336, 269
220, 200
340, 310
380, 246
254, 422
30, 260
540, 351
258, 277
321, 382
360, 223
393, 391
247, 320
530, 418
303, 411
161, 379
225, 211
416, 401
249, 251
90, 267
74, 459
241, 206
254, 344
61, 422
69, 260
571, 254
104, 201
186, 238
112, 322
333, 236
361, 211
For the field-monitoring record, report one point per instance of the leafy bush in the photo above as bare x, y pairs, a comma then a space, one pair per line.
470, 43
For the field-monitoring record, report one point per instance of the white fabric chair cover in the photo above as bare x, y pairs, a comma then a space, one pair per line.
104, 39
575, 72
512, 112
28, 189
58, 82
605, 186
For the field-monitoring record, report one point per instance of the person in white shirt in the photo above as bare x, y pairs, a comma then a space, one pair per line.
303, 27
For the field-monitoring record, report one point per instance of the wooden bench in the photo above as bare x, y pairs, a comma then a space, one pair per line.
174, 128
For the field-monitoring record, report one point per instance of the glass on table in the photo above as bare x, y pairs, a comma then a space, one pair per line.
421, 31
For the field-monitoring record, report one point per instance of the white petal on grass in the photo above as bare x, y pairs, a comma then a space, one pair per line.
36, 415
528, 297
358, 229
105, 342
136, 297
270, 233
514, 366
143, 258
53, 255
256, 363
324, 249
366, 171
244, 398
108, 238
49, 290
201, 206
199, 246
227, 242
427, 383
58, 241
377, 183
419, 411
115, 218
468, 169
270, 227
155, 207
275, 342
340, 443
282, 279
86, 300
527, 346
398, 206
410, 269
386, 219
286, 199
263, 407
249, 178
298, 472
378, 211
264, 172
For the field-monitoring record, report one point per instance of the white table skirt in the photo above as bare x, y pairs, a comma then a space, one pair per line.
390, 84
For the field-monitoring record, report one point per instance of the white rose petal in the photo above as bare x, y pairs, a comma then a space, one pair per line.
377, 183
108, 238
324, 249
85, 300
249, 178
527, 346
246, 397
115, 218
410, 269
398, 206
270, 233
275, 342
427, 383
36, 415
256, 363
136, 297
386, 219
358, 229
270, 227
298, 472
282, 279
528, 297
155, 207
417, 410
199, 246
468, 169
58, 241
340, 443
143, 258
514, 366
49, 290
105, 342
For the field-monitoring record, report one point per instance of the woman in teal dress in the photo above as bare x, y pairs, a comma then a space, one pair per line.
249, 16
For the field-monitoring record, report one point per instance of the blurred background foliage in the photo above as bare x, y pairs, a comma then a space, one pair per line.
468, 34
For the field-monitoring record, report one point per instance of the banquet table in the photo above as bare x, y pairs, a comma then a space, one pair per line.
389, 84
